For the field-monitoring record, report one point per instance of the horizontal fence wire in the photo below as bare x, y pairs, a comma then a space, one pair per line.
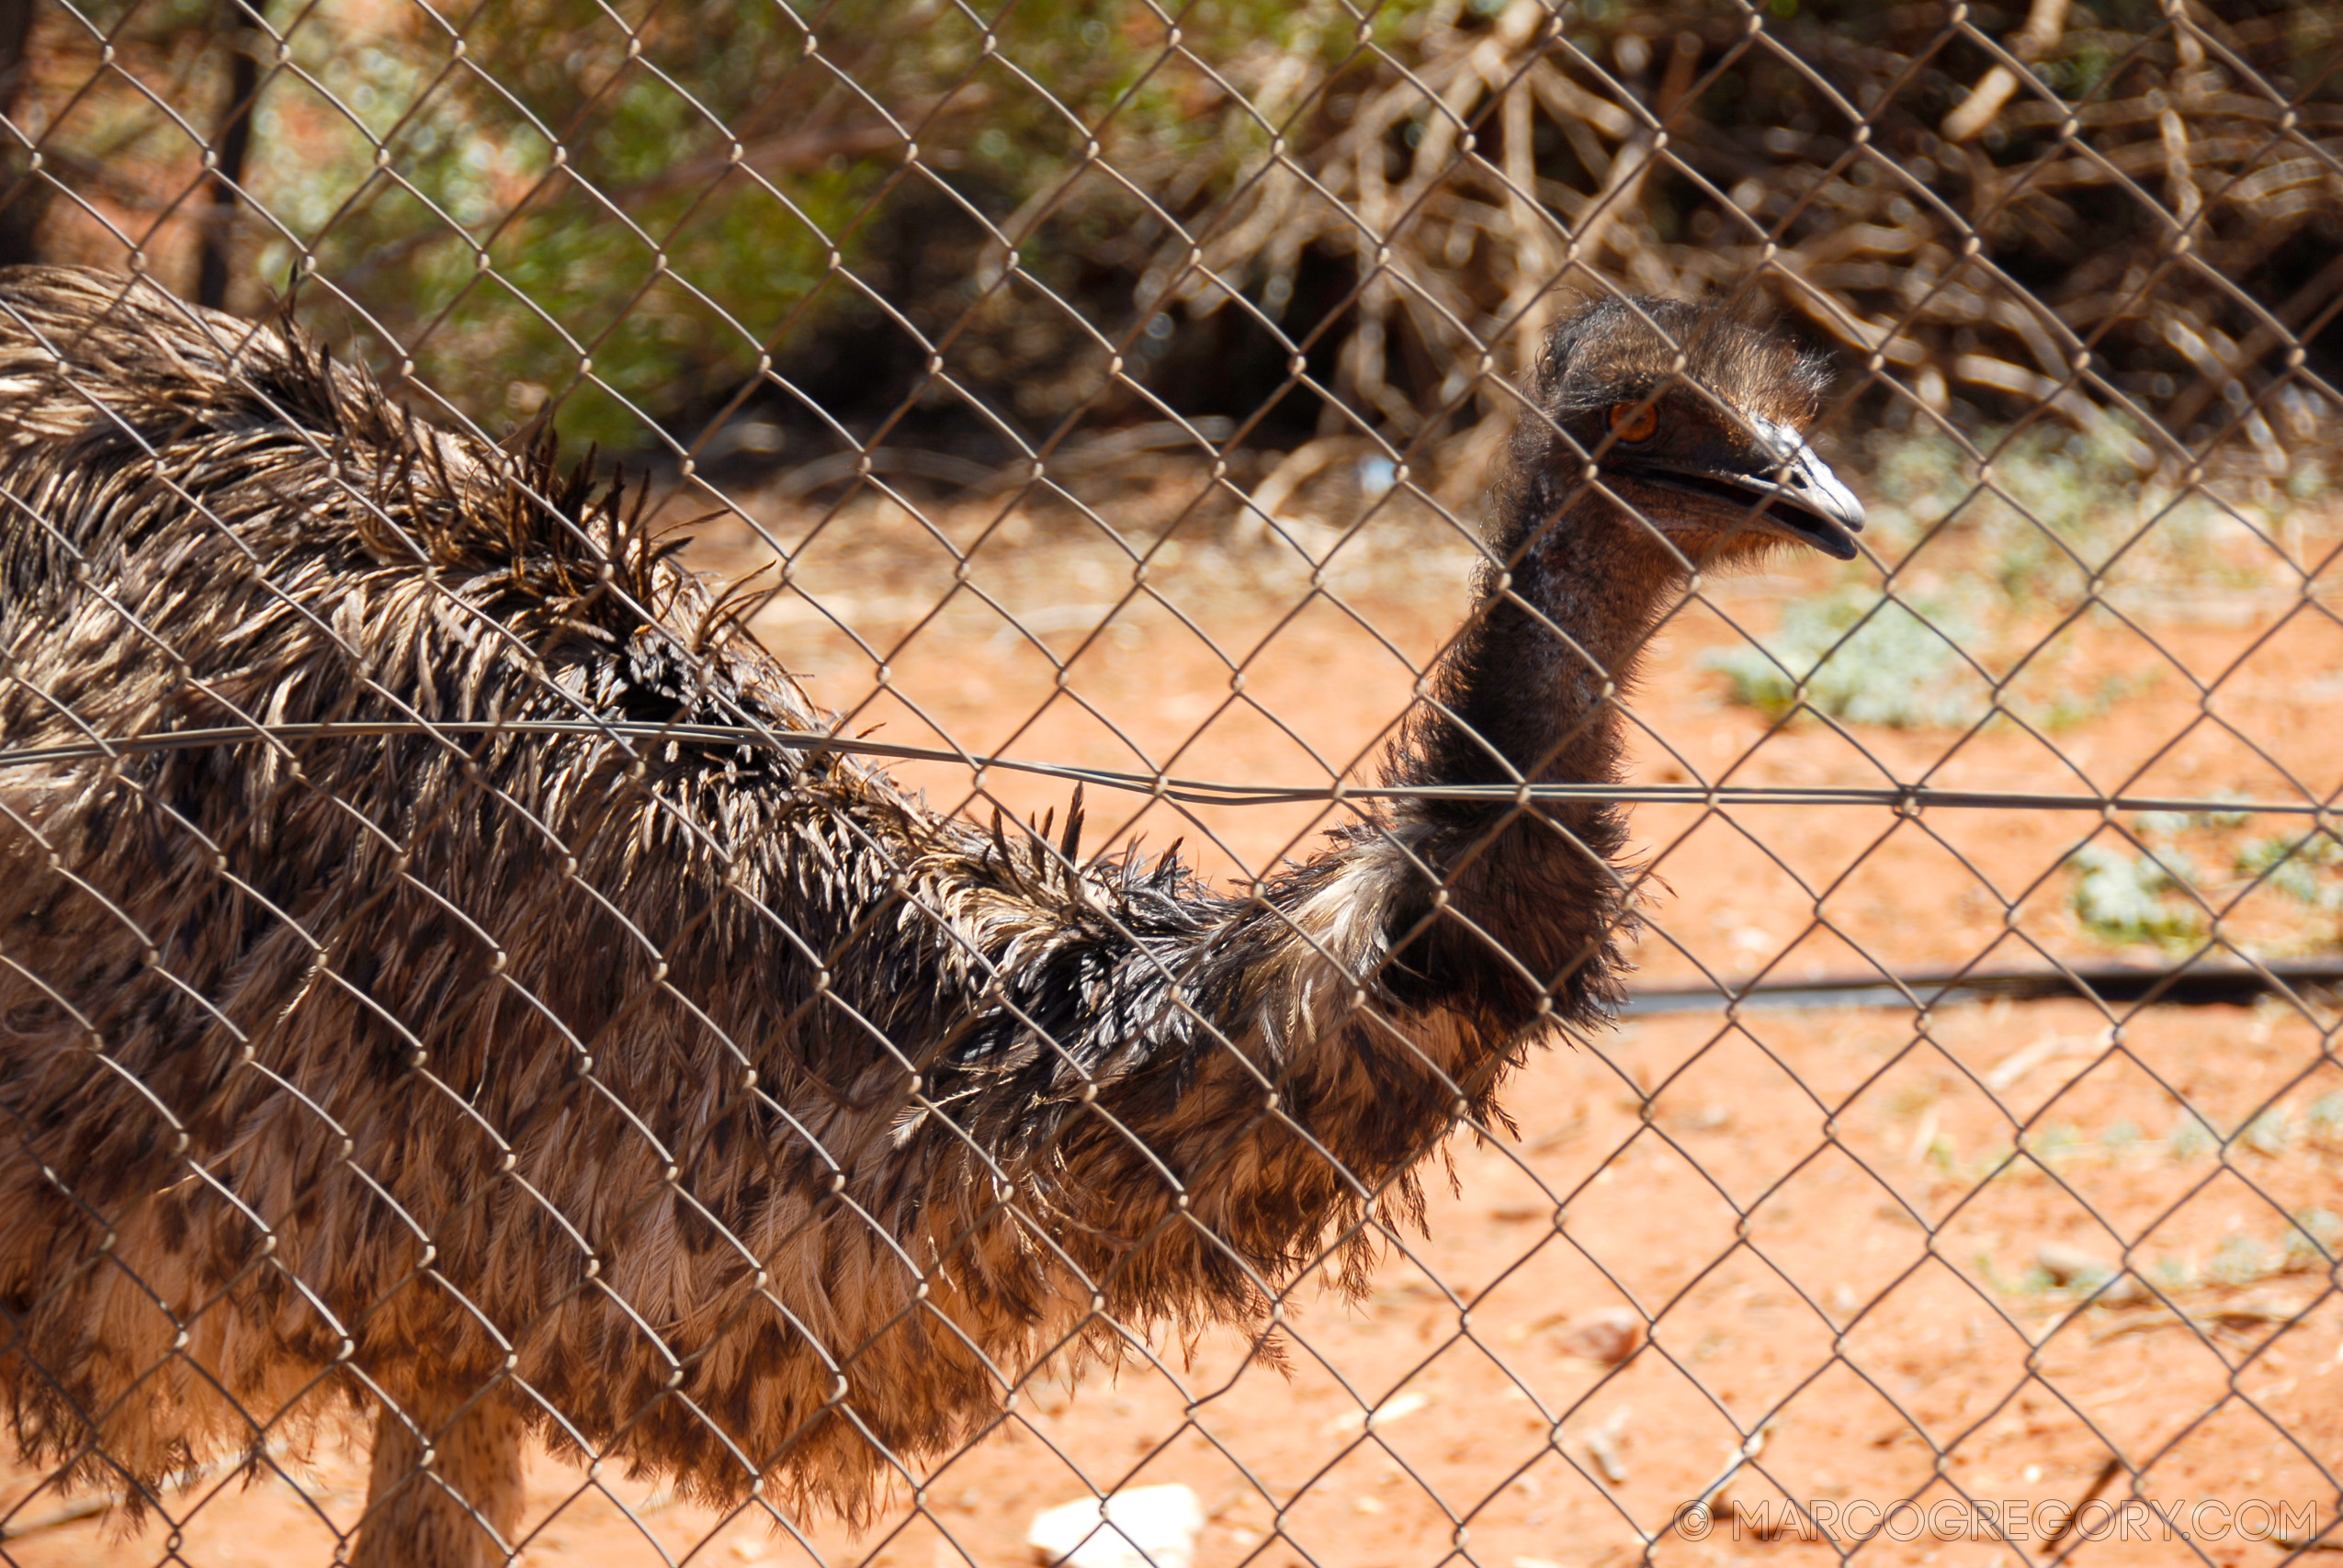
1907, 798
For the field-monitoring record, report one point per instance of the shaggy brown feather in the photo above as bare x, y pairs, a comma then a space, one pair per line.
716, 1108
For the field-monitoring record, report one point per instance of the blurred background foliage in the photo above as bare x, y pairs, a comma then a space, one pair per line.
2079, 262
756, 231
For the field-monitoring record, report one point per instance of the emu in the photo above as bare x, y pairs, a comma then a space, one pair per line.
713, 1108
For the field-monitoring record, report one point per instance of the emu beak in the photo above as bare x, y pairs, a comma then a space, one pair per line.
1790, 490
1805, 497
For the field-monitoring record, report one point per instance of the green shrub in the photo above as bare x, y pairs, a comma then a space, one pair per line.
2172, 824
2060, 503
2238, 1261
2191, 1138
2292, 866
2266, 1133
1851, 656
2053, 1139
2126, 898
2326, 1117
2311, 1242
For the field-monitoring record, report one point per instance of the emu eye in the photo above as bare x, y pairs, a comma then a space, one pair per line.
1633, 421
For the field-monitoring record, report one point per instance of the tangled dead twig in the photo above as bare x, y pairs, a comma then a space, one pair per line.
2135, 182
2084, 214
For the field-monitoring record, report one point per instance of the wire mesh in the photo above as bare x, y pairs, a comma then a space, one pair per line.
493, 1072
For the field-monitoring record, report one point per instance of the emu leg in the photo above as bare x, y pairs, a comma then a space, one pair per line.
441, 1517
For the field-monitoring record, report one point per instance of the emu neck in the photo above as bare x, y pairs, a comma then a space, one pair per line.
1530, 693
1532, 690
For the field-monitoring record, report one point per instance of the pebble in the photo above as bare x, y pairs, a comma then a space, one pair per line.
1147, 1527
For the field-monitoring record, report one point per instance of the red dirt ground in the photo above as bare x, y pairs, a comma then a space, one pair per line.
1806, 1200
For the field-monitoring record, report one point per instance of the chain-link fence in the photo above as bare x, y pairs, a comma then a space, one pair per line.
493, 1070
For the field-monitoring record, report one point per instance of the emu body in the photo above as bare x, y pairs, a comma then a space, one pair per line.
719, 1108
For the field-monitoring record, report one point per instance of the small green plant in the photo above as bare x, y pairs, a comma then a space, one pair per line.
1854, 657
2126, 898
2191, 1139
2033, 1282
2311, 1243
2120, 1137
2047, 510
2239, 1260
2266, 1133
2172, 824
2053, 1140
2291, 867
2326, 1118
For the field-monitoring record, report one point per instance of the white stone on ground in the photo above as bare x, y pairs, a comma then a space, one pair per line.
1147, 1527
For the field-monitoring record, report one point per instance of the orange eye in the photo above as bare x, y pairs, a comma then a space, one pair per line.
1633, 421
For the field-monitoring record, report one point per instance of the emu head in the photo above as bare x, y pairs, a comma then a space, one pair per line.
1693, 423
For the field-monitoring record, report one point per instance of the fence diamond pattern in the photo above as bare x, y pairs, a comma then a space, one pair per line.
1729, 1279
